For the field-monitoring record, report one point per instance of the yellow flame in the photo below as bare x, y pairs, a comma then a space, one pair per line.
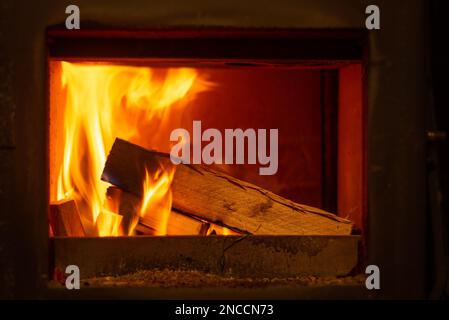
157, 198
108, 223
102, 102
220, 230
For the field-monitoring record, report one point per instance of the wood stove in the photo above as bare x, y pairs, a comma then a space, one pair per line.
326, 85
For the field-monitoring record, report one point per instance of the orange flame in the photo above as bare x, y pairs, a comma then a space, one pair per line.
157, 199
108, 223
101, 102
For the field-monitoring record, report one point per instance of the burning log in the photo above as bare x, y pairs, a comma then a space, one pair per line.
219, 198
65, 220
182, 225
126, 204
177, 224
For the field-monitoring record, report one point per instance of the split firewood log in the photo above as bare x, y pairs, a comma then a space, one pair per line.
216, 197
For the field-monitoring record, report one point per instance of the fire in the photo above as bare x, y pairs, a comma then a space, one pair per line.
157, 198
108, 223
101, 102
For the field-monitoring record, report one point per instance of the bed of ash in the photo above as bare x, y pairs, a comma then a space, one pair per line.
167, 278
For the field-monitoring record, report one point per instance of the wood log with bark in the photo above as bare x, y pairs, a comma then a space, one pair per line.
219, 198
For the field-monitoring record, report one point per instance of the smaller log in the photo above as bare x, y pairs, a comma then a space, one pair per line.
178, 224
65, 220
182, 225
144, 230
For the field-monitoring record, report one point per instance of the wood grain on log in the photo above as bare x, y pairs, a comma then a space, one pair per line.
219, 198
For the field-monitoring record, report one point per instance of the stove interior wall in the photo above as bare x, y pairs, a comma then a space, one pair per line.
283, 99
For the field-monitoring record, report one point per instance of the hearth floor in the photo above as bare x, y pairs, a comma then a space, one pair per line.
167, 278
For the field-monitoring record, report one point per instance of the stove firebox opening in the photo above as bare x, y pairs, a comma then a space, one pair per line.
97, 105
163, 160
